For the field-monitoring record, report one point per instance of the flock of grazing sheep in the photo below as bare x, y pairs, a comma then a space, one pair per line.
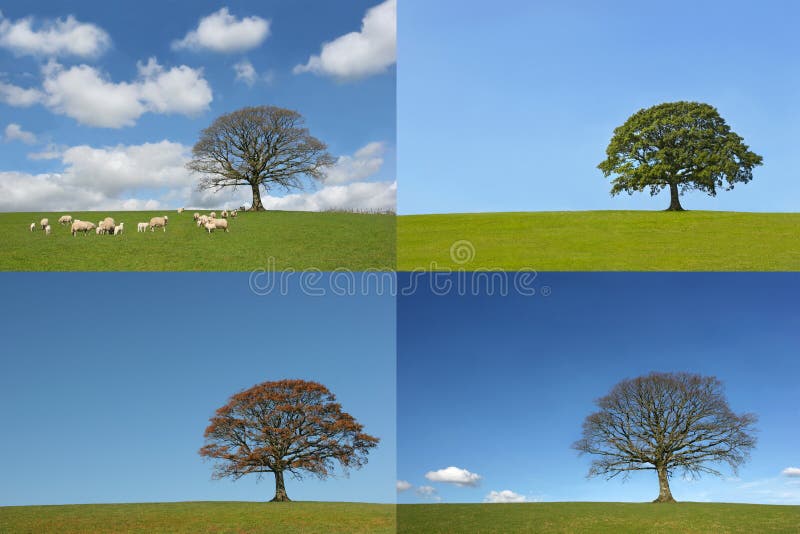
208, 222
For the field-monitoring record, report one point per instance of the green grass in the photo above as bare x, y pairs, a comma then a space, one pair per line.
294, 240
603, 241
596, 517
194, 517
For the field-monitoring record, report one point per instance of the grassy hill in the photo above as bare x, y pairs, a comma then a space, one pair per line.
603, 241
596, 517
194, 517
297, 240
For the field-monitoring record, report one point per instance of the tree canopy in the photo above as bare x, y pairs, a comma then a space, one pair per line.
681, 146
290, 426
262, 147
666, 422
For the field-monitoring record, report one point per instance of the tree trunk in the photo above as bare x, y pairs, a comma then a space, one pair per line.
280, 489
256, 205
664, 494
674, 198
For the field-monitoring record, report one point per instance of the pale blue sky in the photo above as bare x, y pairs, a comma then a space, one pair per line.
107, 382
509, 106
501, 386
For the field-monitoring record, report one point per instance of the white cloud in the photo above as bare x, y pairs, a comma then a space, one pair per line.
59, 37
378, 196
245, 72
359, 54
366, 162
403, 485
84, 93
18, 96
454, 475
504, 496
791, 472
222, 32
52, 151
428, 492
14, 132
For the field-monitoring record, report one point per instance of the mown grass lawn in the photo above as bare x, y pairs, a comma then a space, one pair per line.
597, 517
197, 517
270, 240
601, 241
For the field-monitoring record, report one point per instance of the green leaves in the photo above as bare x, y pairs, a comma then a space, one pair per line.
681, 145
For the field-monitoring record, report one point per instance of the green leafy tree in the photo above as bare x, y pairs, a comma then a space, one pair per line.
680, 146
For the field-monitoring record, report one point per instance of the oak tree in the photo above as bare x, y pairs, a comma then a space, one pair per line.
668, 423
263, 147
680, 146
287, 426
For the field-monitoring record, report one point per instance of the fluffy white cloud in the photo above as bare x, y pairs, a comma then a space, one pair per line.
14, 132
18, 96
364, 163
428, 492
504, 496
245, 72
372, 196
359, 54
791, 472
83, 93
454, 475
153, 175
403, 485
59, 37
222, 32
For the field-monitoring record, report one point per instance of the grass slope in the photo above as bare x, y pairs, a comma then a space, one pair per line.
192, 517
596, 517
296, 240
604, 241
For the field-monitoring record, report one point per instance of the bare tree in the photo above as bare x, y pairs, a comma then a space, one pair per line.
262, 147
666, 422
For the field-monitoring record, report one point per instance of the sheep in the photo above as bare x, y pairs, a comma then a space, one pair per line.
33, 227
119, 228
221, 224
210, 226
203, 219
65, 219
82, 226
44, 222
234, 213
100, 230
180, 210
196, 216
159, 222
108, 225
224, 214
47, 230
142, 227
213, 214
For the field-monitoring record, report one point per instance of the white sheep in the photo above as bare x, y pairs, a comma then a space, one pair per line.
119, 228
213, 214
221, 224
65, 219
196, 216
82, 226
47, 230
202, 220
100, 230
107, 225
180, 210
224, 214
142, 227
159, 222
210, 226
33, 227
234, 213
44, 222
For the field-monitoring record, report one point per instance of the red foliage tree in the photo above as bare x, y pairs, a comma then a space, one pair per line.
290, 426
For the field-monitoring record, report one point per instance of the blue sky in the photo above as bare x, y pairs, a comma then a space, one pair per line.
499, 386
510, 108
107, 382
88, 121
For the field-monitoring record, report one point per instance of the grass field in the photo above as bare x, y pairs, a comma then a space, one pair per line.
195, 517
596, 517
601, 241
294, 240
